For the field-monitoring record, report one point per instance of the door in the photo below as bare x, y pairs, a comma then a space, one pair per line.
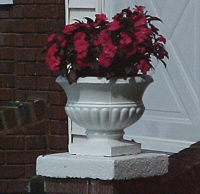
171, 121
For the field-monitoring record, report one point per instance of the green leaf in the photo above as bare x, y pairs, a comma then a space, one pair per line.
154, 18
128, 70
163, 62
89, 20
72, 77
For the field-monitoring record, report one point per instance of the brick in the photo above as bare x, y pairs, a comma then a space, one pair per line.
35, 40
6, 53
30, 171
39, 109
12, 172
48, 83
58, 127
18, 40
3, 186
24, 111
26, 82
185, 159
6, 67
35, 11
1, 158
58, 142
20, 68
49, 25
11, 117
37, 185
56, 11
8, 81
37, 69
184, 183
57, 113
19, 186
41, 95
5, 94
36, 143
6, 39
15, 2
24, 54
7, 26
57, 98
24, 26
20, 157
5, 11
39, 55
63, 186
18, 11
2, 121
39, 128
20, 95
196, 170
12, 143
50, 2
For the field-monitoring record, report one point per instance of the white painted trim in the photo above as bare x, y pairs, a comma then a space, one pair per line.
88, 6
159, 144
66, 11
4, 2
83, 4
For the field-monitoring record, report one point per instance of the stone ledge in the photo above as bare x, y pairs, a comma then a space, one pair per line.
64, 165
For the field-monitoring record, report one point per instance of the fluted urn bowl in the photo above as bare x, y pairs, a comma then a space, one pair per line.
105, 108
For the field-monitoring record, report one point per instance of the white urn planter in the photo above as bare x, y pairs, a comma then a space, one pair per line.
105, 108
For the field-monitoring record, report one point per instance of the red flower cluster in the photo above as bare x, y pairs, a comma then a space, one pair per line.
122, 47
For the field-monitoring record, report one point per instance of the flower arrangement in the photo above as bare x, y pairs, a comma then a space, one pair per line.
120, 48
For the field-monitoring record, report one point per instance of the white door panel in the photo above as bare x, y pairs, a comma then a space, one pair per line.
171, 121
172, 101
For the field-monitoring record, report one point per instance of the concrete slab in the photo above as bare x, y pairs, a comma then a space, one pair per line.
64, 165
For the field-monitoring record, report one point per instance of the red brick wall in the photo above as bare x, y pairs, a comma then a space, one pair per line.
24, 27
23, 137
23, 73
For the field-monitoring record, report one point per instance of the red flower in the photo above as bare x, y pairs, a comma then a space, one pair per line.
130, 49
53, 62
103, 38
100, 18
140, 22
106, 57
52, 50
143, 34
79, 35
130, 38
62, 41
105, 60
51, 37
80, 43
143, 66
110, 50
139, 8
126, 39
68, 29
114, 26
